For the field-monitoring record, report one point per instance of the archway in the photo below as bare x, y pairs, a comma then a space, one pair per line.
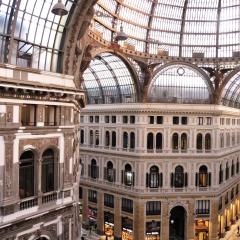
177, 223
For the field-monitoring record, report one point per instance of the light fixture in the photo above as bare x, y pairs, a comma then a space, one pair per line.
59, 9
121, 36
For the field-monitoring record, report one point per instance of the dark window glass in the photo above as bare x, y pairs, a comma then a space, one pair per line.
127, 205
26, 175
92, 196
28, 115
82, 136
153, 208
125, 119
113, 119
151, 119
159, 141
200, 121
159, 119
184, 120
132, 119
107, 138
91, 119
175, 141
113, 139
48, 171
108, 200
96, 119
175, 120
125, 140
132, 140
93, 169
106, 119
150, 141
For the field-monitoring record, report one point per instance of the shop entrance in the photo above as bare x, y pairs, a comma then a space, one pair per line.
177, 223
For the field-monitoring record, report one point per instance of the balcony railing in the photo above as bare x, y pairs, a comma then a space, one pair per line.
46, 198
28, 203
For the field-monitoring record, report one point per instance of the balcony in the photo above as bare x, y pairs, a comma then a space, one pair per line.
44, 199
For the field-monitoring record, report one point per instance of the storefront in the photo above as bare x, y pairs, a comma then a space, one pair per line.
127, 228
108, 224
152, 230
92, 216
202, 229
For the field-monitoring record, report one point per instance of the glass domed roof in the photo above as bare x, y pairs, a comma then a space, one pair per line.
180, 28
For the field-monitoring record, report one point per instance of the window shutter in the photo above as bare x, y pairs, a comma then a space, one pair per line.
89, 170
196, 179
172, 178
133, 179
114, 175
97, 171
122, 178
105, 173
160, 180
209, 179
147, 178
186, 179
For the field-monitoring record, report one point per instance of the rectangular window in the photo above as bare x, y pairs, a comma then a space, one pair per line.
113, 119
132, 119
153, 208
108, 200
127, 205
28, 115
209, 121
159, 119
81, 119
151, 119
175, 120
92, 196
96, 119
200, 120
106, 119
91, 119
184, 120
125, 119
226, 198
80, 192
203, 207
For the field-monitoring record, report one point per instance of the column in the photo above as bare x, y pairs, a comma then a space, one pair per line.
139, 220
190, 221
214, 219
100, 214
164, 220
117, 218
85, 206
40, 115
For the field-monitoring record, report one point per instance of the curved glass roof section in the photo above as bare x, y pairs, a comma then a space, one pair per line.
179, 84
108, 80
37, 35
231, 92
180, 28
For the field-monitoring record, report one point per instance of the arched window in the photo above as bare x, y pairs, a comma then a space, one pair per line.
159, 141
107, 138
203, 178
220, 174
26, 175
232, 169
91, 137
48, 171
227, 172
132, 140
96, 137
82, 136
184, 142
199, 141
113, 139
179, 179
175, 141
154, 178
150, 141
128, 175
93, 170
125, 140
109, 172
208, 141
